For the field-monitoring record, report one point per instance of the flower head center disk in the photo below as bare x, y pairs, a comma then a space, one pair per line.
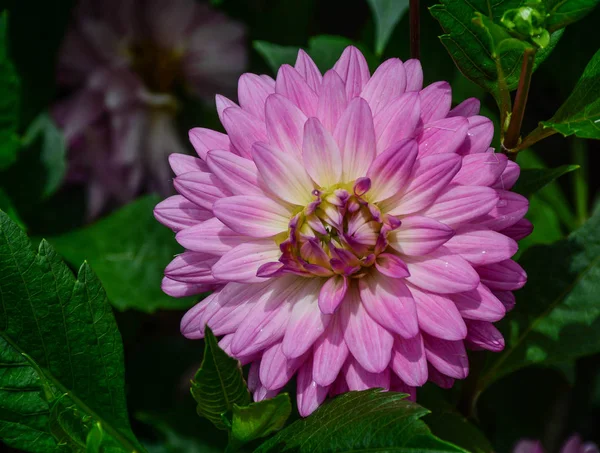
340, 232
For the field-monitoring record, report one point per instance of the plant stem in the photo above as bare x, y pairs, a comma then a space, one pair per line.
580, 184
513, 132
535, 136
415, 30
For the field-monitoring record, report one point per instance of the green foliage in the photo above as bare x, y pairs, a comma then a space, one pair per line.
61, 357
366, 421
129, 251
564, 12
9, 100
218, 384
556, 317
580, 114
276, 55
485, 51
259, 419
387, 14
53, 152
533, 179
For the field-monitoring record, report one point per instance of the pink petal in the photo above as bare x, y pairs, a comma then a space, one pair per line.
482, 246
354, 71
358, 378
330, 353
409, 361
530, 446
504, 276
332, 100
307, 68
306, 323
182, 163
436, 100
332, 293
211, 237
391, 266
205, 140
291, 85
285, 124
181, 289
242, 262
485, 336
190, 327
429, 178
177, 213
442, 136
253, 91
397, 120
200, 188
251, 215
462, 204
388, 81
507, 298
320, 154
414, 75
519, 230
509, 176
481, 169
438, 316
276, 369
389, 302
222, 104
396, 385
369, 343
468, 107
191, 267
448, 357
238, 174
442, 272
479, 136
439, 379
418, 236
230, 309
244, 129
479, 304
283, 174
391, 169
310, 395
355, 137
511, 208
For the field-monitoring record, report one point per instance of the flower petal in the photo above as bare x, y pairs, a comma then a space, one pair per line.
462, 204
511, 208
388, 81
391, 169
479, 136
181, 289
418, 236
241, 263
238, 174
482, 246
276, 369
397, 120
438, 316
519, 230
285, 124
485, 336
320, 154
509, 176
506, 275
177, 213
200, 188
332, 293
468, 107
479, 304
414, 75
436, 100
354, 71
182, 163
251, 215
205, 140
309, 395
409, 361
442, 136
448, 357
332, 100
358, 378
191, 267
290, 84
391, 266
211, 237
330, 353
244, 129
307, 68
253, 91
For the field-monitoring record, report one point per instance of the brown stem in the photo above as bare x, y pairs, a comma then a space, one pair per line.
535, 136
415, 30
513, 132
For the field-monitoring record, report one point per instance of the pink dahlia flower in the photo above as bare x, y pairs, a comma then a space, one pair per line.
123, 60
356, 230
574, 444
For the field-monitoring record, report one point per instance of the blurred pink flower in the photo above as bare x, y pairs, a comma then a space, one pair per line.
356, 229
122, 61
574, 444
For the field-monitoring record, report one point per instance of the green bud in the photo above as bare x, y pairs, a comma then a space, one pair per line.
527, 22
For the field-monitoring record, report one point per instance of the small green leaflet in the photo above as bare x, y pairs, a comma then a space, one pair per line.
532, 180
129, 251
367, 421
580, 114
564, 12
218, 384
61, 356
387, 14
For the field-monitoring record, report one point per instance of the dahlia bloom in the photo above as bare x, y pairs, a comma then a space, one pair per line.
121, 61
355, 229
573, 444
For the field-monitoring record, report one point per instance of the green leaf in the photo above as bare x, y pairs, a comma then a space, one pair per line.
53, 150
477, 48
580, 114
61, 356
129, 251
9, 100
565, 12
534, 179
366, 421
259, 419
276, 55
218, 384
557, 316
387, 15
